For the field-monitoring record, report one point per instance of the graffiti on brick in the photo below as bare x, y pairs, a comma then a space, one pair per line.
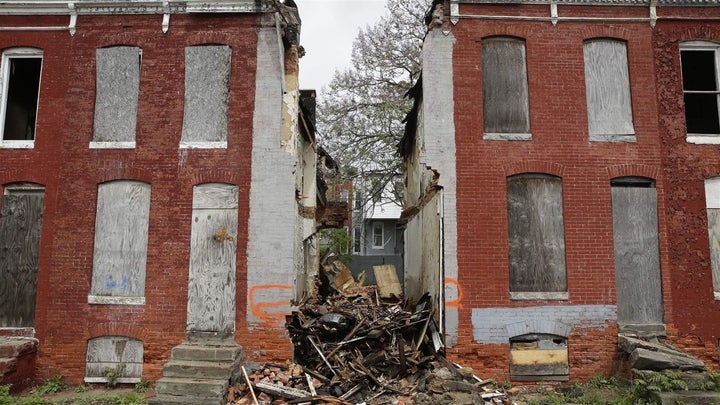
453, 289
263, 303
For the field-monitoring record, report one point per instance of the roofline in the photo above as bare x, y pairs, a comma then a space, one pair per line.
91, 7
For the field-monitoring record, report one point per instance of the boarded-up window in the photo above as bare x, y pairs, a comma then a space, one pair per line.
121, 236
505, 89
637, 252
115, 353
536, 236
21, 71
207, 87
701, 87
116, 100
607, 89
20, 225
539, 357
712, 202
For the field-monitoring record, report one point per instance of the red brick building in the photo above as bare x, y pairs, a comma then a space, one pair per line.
149, 180
551, 139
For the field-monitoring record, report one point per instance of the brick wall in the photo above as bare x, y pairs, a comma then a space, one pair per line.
70, 171
695, 313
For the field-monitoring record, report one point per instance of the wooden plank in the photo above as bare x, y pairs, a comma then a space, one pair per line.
20, 228
536, 234
211, 289
607, 87
637, 255
505, 86
216, 195
121, 237
387, 281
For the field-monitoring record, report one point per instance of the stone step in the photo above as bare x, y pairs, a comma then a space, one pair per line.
200, 369
687, 397
189, 387
165, 399
206, 353
7, 366
16, 347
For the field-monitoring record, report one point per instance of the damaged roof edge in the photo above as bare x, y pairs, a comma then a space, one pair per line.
407, 142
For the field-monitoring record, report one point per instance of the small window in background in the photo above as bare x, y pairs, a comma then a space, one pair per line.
378, 237
607, 89
699, 61
21, 71
357, 240
506, 110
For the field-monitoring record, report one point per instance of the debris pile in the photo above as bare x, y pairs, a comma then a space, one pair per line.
359, 344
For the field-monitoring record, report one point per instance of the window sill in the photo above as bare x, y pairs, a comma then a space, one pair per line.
112, 145
121, 380
708, 139
17, 144
203, 145
109, 300
523, 296
492, 136
717, 295
613, 138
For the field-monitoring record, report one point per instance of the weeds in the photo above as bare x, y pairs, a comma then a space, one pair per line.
52, 386
112, 375
142, 387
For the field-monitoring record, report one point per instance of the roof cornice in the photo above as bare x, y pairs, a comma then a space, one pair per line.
90, 7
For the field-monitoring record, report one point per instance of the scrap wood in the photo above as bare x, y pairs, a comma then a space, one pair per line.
285, 392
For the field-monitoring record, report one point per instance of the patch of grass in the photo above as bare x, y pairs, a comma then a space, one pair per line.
142, 387
52, 386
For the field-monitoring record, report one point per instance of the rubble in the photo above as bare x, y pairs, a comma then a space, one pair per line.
352, 346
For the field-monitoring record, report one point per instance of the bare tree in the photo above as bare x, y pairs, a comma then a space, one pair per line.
361, 111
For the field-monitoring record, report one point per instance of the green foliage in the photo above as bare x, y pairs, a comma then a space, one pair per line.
112, 375
34, 400
142, 386
5, 397
52, 386
646, 382
713, 382
82, 388
337, 241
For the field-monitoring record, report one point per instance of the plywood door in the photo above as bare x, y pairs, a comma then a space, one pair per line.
637, 256
211, 289
20, 224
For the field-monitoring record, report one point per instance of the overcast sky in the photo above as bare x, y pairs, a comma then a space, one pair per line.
328, 30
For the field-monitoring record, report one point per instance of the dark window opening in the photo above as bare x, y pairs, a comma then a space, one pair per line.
23, 87
699, 74
641, 182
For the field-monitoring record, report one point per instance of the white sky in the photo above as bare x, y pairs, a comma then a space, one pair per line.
328, 30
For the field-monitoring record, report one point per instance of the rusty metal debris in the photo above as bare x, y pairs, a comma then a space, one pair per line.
352, 346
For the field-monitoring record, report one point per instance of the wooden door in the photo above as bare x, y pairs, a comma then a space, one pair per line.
213, 246
20, 225
637, 254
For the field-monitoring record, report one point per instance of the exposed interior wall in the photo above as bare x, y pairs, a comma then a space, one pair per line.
423, 235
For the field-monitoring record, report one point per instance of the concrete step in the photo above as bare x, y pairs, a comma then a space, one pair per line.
189, 387
687, 397
189, 352
177, 400
17, 346
200, 369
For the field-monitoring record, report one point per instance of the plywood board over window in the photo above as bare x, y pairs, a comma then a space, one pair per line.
637, 252
712, 203
607, 89
121, 236
114, 353
506, 111
207, 88
20, 226
116, 96
213, 251
536, 237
